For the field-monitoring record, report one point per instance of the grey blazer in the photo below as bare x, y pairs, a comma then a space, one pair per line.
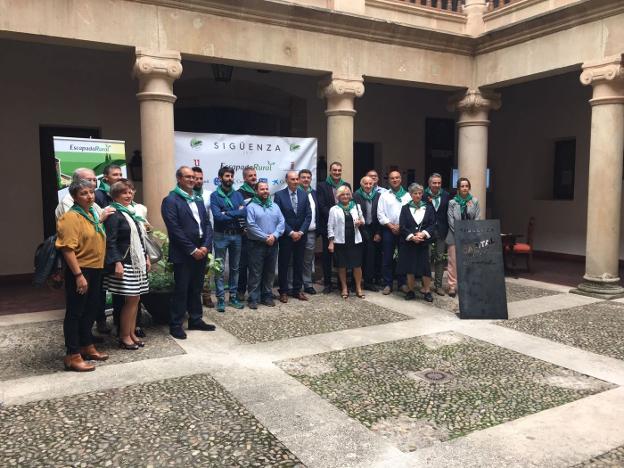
454, 214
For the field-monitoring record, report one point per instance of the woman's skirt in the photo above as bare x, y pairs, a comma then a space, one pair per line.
414, 260
132, 283
348, 255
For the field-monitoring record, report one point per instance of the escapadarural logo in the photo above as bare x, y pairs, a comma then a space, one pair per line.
294, 146
196, 143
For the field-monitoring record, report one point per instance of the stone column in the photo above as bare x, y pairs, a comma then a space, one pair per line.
156, 72
474, 11
473, 107
340, 94
605, 178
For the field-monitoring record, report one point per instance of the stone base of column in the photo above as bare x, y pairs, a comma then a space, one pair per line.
600, 289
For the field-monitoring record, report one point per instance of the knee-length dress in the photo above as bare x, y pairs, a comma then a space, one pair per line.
414, 258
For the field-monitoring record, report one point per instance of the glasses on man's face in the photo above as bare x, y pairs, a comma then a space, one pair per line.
188, 177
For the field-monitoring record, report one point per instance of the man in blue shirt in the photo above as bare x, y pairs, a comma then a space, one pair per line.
265, 225
228, 214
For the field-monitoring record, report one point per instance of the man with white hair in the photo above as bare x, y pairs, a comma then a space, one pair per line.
67, 202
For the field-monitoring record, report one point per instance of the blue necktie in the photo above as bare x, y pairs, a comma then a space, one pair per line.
293, 200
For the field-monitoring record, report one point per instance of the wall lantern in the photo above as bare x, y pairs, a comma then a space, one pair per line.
222, 73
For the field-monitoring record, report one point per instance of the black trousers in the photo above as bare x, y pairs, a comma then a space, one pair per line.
189, 280
80, 309
371, 255
326, 260
288, 249
243, 265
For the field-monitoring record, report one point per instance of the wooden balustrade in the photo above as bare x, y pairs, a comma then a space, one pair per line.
444, 5
498, 4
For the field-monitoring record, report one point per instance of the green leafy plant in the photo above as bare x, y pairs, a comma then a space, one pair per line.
161, 275
434, 256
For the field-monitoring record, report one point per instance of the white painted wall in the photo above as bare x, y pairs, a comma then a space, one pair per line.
522, 135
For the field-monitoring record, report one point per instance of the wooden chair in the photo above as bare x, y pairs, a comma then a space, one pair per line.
525, 249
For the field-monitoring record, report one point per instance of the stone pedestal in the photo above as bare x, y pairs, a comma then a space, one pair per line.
601, 277
156, 72
340, 94
473, 107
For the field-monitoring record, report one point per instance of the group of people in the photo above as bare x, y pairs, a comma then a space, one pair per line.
383, 235
101, 234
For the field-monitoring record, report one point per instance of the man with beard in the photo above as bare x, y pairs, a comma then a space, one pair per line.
228, 212
248, 191
265, 225
326, 194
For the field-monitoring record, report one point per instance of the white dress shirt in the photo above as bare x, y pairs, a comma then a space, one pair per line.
206, 197
313, 208
418, 215
195, 211
389, 208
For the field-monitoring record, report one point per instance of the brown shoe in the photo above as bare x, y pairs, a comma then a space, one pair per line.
207, 300
74, 362
283, 298
300, 296
92, 354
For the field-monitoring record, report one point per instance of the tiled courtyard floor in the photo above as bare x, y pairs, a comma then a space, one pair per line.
379, 382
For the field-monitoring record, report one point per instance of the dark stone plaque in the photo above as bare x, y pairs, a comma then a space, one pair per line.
480, 270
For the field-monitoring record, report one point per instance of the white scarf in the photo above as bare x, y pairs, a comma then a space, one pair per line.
137, 256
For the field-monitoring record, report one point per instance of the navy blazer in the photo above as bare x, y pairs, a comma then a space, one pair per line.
102, 198
299, 221
442, 214
183, 229
326, 200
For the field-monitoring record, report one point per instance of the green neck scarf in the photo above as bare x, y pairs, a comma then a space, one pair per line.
306, 190
415, 206
429, 193
104, 187
264, 204
226, 196
189, 198
129, 210
199, 193
347, 208
367, 196
93, 219
335, 185
248, 188
399, 193
462, 202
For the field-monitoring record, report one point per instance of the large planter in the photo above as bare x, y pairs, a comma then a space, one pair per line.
158, 304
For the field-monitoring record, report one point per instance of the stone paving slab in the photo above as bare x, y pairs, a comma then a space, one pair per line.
597, 327
188, 421
37, 348
515, 292
611, 459
321, 314
385, 387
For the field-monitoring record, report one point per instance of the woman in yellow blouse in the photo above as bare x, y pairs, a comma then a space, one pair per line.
82, 240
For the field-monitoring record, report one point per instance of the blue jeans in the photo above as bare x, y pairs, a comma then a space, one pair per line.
230, 243
389, 242
262, 260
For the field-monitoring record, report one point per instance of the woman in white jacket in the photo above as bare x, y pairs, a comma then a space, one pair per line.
345, 240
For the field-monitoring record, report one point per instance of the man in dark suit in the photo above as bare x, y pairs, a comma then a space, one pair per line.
439, 199
368, 198
294, 204
190, 240
326, 194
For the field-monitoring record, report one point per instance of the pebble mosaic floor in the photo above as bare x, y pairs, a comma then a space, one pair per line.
38, 348
383, 386
322, 314
190, 421
612, 459
515, 292
597, 327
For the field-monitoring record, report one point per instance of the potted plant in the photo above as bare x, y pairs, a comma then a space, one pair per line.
158, 300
